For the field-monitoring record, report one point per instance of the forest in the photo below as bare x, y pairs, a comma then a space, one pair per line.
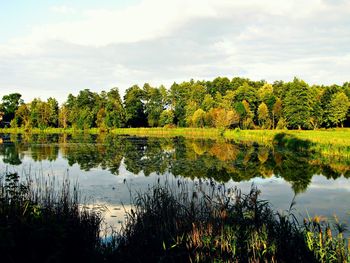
220, 103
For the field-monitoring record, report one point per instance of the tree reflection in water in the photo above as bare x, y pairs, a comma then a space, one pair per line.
220, 160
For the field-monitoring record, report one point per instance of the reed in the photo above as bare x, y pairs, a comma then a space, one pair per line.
182, 224
40, 222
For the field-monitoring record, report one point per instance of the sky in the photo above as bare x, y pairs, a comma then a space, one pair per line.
50, 48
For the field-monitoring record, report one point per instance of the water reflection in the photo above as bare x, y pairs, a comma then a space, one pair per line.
192, 158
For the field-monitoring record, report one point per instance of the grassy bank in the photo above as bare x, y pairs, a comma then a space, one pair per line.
333, 142
168, 223
339, 136
48, 131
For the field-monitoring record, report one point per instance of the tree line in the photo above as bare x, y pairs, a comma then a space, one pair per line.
220, 103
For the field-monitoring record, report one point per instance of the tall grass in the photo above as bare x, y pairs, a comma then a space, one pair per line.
42, 223
168, 223
218, 225
327, 240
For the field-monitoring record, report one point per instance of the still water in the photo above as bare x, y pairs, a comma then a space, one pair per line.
109, 167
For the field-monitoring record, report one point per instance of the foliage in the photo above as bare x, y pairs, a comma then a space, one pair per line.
263, 115
166, 118
297, 106
154, 103
9, 105
222, 118
339, 107
198, 118
134, 107
292, 105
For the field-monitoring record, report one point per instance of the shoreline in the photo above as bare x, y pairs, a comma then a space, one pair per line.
335, 142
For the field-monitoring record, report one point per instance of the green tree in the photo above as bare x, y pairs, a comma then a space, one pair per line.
266, 95
154, 104
196, 92
40, 114
248, 116
10, 104
22, 117
115, 113
166, 117
190, 109
297, 104
277, 111
317, 112
327, 96
279, 89
63, 117
101, 119
219, 84
236, 82
263, 115
198, 118
340, 106
208, 102
247, 93
134, 107
53, 112
178, 96
228, 100
83, 109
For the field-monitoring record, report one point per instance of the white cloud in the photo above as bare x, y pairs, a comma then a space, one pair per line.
148, 20
161, 41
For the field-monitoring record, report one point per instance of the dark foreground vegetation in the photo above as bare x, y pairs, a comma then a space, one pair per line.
42, 223
183, 223
220, 103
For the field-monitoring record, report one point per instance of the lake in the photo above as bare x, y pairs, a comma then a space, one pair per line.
108, 168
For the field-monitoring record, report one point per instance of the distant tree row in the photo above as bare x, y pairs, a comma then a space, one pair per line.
221, 103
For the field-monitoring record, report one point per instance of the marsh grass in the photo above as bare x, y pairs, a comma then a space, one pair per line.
42, 223
185, 224
326, 239
181, 222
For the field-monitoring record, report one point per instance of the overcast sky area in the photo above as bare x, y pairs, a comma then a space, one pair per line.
53, 48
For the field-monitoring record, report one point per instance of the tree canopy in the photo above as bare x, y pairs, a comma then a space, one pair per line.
224, 103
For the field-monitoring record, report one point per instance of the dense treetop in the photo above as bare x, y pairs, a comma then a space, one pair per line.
220, 103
